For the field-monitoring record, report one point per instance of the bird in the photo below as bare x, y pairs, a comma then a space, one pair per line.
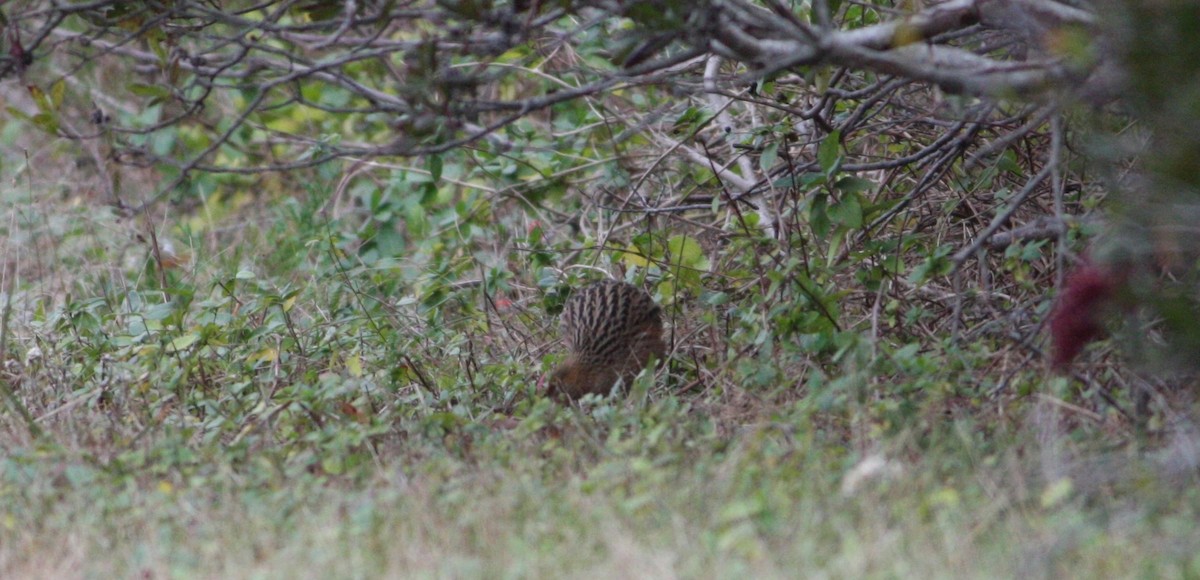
612, 329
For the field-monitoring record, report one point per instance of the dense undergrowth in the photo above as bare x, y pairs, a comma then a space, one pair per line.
334, 371
285, 402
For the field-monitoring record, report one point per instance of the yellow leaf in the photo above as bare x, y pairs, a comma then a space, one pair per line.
1057, 492
686, 251
57, 91
39, 98
267, 354
945, 497
633, 257
905, 34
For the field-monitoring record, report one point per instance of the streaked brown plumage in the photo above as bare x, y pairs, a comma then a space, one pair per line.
611, 330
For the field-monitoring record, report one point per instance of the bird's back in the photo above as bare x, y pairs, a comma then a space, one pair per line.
612, 329
601, 321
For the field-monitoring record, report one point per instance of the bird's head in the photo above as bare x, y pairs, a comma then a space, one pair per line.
574, 378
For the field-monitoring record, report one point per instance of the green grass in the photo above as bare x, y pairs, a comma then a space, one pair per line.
519, 507
284, 407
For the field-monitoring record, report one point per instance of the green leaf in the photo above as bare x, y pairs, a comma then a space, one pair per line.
769, 156
829, 153
18, 114
1008, 162
818, 215
687, 121
848, 212
158, 311
936, 264
181, 343
850, 184
46, 122
686, 251
687, 260
435, 167
145, 90
321, 10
